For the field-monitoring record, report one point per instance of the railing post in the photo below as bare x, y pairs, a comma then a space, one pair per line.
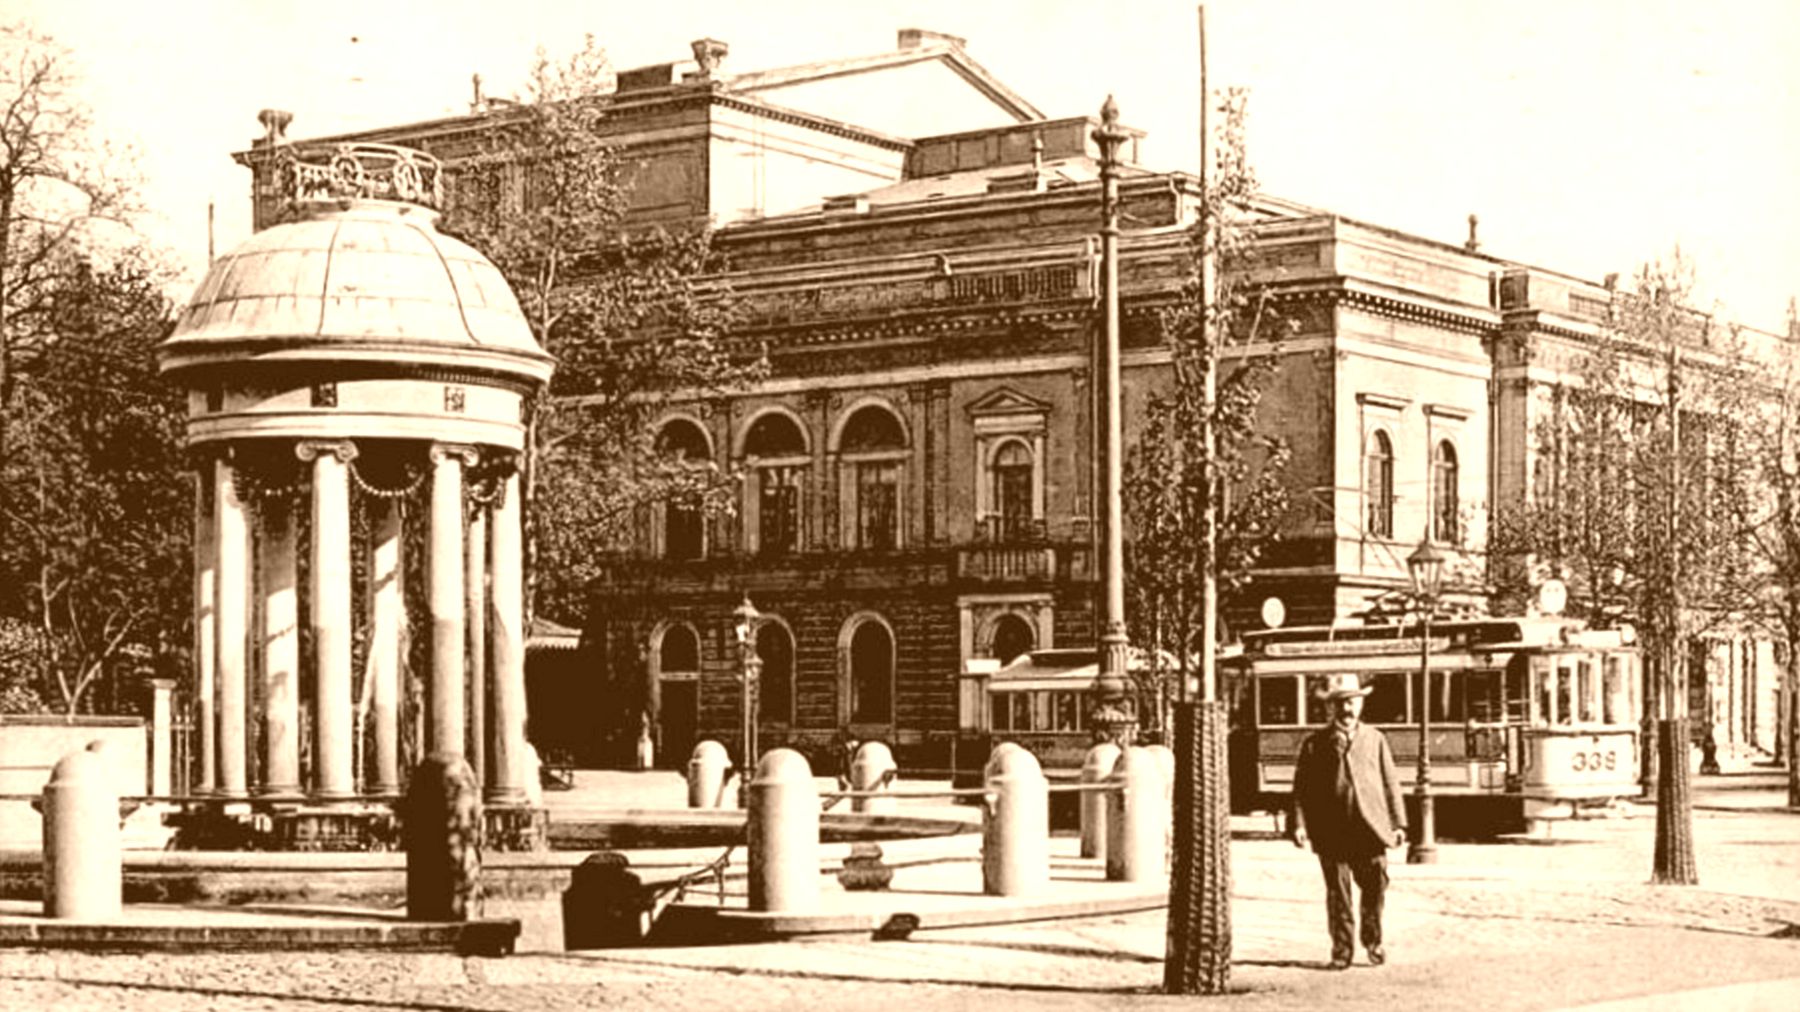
872, 769
83, 875
1015, 839
706, 775
783, 807
1095, 771
1135, 819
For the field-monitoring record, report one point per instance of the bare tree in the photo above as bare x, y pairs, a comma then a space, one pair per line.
1641, 502
58, 181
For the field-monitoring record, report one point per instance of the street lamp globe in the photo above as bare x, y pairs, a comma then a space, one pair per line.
1426, 566
747, 616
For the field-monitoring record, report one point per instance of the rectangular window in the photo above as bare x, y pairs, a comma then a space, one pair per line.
1275, 701
877, 506
778, 508
1612, 692
682, 538
1386, 701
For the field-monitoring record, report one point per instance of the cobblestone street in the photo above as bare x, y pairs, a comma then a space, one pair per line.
1548, 924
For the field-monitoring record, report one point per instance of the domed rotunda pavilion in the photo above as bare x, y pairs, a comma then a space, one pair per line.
357, 387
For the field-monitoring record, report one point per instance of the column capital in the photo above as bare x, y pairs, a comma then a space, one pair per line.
463, 452
311, 449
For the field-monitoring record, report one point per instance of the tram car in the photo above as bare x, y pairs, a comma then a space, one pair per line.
1041, 700
1529, 718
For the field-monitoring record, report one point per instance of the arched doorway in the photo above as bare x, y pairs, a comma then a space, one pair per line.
678, 695
871, 674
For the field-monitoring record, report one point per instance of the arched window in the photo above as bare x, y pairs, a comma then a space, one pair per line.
871, 673
775, 648
1012, 636
1445, 522
1378, 489
777, 452
873, 450
684, 523
1012, 473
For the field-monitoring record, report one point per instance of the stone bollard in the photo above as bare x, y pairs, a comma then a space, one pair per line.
83, 878
1165, 761
1135, 819
1015, 836
706, 775
784, 834
441, 827
870, 771
1097, 769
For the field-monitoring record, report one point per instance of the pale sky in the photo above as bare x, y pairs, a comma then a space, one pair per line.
1589, 135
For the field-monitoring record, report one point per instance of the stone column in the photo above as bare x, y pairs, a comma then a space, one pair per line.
387, 620
233, 604
162, 738
477, 619
334, 773
511, 767
447, 598
280, 650
206, 632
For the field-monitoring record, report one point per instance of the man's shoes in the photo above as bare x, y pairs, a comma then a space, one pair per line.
1340, 963
1377, 955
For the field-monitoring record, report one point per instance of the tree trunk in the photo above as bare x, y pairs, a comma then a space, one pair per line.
1198, 960
1674, 862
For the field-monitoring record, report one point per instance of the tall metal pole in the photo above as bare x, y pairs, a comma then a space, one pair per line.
1424, 842
1198, 956
1113, 716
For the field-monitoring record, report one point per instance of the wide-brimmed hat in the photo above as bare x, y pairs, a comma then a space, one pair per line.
1342, 687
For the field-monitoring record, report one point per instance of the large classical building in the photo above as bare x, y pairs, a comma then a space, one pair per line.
915, 244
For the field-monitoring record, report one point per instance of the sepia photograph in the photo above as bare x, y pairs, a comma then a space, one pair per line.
899, 504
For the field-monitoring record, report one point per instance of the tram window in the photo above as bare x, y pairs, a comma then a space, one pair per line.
1001, 708
1446, 696
1518, 689
1482, 696
1565, 691
1021, 711
1613, 702
1068, 712
1275, 701
1316, 710
1544, 676
1386, 701
1040, 711
1587, 688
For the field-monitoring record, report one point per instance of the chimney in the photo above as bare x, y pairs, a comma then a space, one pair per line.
1473, 244
709, 53
919, 38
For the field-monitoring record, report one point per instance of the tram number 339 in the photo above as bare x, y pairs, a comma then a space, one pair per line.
1595, 762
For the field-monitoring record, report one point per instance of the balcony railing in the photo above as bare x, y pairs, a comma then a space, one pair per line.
995, 529
1006, 563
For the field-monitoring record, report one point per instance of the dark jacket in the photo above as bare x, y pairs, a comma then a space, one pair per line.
1323, 808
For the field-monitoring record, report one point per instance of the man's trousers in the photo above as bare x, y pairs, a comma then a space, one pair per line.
1369, 872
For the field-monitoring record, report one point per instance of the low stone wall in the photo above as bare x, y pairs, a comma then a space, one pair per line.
31, 745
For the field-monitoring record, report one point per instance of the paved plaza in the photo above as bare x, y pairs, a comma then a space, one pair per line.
1561, 922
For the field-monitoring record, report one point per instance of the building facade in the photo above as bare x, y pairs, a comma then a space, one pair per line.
916, 247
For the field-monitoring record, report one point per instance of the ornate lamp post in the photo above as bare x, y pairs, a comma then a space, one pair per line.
1113, 717
1426, 566
747, 620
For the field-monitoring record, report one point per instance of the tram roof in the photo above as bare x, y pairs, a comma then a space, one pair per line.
1066, 668
1516, 631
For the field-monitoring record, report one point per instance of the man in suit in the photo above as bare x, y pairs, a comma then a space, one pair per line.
1347, 802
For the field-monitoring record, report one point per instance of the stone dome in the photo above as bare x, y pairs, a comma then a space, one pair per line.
355, 278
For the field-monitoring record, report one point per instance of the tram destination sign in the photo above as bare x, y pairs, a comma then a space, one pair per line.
1348, 648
